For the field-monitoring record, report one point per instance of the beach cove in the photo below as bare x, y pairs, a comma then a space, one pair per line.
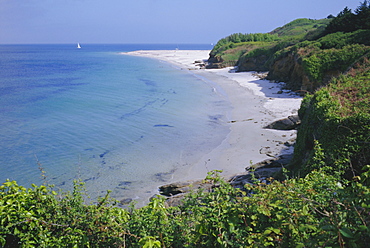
131, 124
255, 104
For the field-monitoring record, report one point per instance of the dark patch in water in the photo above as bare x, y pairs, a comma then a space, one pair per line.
62, 83
137, 111
215, 118
124, 183
103, 154
162, 125
149, 82
164, 101
141, 137
163, 176
91, 178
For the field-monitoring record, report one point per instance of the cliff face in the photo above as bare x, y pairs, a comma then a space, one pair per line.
257, 63
290, 70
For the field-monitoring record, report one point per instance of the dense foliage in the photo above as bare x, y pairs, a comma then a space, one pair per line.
324, 60
338, 118
235, 46
301, 28
232, 40
317, 210
346, 21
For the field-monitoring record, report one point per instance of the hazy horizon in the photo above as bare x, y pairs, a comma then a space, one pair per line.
150, 21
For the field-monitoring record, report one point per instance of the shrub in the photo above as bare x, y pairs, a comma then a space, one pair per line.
337, 116
314, 211
332, 59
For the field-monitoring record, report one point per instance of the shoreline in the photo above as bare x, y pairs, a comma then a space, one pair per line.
255, 104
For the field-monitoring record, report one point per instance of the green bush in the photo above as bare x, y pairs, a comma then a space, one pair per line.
39, 217
301, 28
337, 116
332, 60
317, 210
236, 39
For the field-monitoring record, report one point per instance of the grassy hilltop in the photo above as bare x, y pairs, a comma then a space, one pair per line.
304, 53
322, 199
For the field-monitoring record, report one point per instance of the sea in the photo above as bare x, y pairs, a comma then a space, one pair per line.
113, 121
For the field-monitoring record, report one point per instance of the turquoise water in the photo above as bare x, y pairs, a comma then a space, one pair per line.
117, 122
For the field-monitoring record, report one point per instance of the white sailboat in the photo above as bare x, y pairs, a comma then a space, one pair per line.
78, 45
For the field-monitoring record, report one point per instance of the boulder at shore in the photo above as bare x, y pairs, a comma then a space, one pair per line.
289, 123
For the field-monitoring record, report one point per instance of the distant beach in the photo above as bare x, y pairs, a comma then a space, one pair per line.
255, 102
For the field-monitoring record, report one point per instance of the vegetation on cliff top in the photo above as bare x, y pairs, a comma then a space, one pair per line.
304, 53
322, 199
229, 50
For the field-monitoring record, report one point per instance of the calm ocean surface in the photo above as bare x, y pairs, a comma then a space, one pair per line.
117, 122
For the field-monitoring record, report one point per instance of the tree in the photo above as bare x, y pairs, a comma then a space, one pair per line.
344, 22
363, 15
365, 6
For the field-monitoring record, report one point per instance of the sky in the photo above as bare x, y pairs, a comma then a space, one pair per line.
151, 21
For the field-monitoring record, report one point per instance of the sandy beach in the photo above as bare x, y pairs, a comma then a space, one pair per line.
255, 103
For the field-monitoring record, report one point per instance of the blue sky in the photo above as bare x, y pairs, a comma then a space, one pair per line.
151, 21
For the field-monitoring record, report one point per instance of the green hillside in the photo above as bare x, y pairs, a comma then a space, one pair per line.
304, 53
229, 50
301, 29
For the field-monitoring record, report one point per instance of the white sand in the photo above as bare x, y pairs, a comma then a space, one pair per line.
255, 104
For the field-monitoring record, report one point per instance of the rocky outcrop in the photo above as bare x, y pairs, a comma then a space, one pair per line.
289, 69
182, 187
261, 171
215, 62
289, 123
175, 192
264, 170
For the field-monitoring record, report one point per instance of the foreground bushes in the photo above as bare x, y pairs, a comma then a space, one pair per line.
337, 118
314, 211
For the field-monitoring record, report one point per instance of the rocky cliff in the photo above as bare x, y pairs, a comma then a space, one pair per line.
217, 62
257, 63
290, 69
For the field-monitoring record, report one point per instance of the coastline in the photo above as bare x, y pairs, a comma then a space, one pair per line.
255, 104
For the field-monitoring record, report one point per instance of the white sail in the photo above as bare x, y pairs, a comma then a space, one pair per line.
78, 45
